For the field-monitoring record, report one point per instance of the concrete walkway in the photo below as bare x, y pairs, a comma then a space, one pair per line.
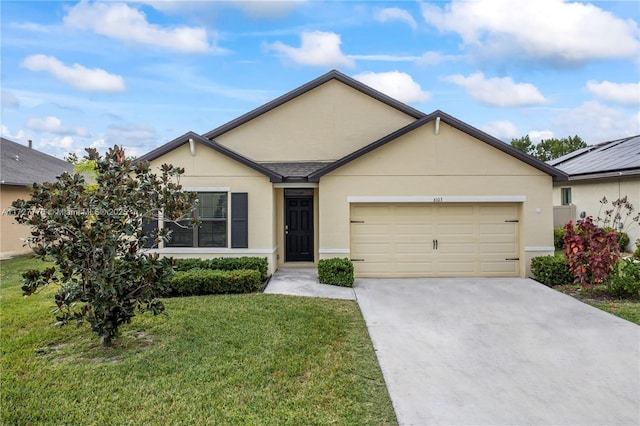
304, 282
491, 351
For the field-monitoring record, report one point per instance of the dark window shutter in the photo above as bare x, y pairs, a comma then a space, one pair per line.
239, 220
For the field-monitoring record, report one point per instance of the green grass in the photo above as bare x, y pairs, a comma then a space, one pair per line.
249, 359
629, 310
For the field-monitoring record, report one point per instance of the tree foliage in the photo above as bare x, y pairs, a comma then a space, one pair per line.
591, 252
91, 225
549, 149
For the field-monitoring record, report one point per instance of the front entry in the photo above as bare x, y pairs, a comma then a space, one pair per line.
298, 228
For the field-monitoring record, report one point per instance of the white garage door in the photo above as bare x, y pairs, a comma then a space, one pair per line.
405, 240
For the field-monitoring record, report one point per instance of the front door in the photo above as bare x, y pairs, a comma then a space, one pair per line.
298, 229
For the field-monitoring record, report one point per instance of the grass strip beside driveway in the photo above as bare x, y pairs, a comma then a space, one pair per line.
248, 359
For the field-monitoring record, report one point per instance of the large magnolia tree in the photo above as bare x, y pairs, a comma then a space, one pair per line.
91, 225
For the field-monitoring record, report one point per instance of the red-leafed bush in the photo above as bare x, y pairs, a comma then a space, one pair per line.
591, 252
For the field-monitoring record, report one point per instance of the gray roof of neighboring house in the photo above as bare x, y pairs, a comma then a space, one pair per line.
620, 157
22, 166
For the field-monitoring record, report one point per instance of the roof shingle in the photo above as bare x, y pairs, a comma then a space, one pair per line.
22, 166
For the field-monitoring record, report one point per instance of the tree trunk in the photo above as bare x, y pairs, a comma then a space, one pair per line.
105, 340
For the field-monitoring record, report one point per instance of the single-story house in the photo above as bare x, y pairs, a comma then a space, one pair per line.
21, 166
335, 168
608, 170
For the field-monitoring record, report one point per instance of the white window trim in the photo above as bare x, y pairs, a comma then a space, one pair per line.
438, 199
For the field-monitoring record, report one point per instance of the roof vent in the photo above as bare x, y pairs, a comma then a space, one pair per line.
17, 157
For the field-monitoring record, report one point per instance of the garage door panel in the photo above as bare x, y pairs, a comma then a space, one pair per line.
398, 240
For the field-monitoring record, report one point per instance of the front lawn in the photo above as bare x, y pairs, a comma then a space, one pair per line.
246, 359
598, 296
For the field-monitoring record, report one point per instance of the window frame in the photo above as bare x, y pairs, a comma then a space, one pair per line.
565, 196
196, 235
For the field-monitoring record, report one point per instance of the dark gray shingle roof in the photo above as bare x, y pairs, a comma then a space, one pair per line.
300, 169
614, 158
22, 166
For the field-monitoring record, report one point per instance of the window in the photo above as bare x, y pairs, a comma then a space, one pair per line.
212, 232
565, 194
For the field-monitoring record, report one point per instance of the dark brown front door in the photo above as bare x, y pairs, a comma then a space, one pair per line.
299, 229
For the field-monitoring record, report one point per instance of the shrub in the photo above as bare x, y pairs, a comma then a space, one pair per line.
590, 252
207, 281
624, 281
336, 271
621, 237
551, 270
558, 238
636, 254
260, 264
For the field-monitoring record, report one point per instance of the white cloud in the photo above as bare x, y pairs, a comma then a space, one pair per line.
7, 133
396, 84
76, 75
318, 48
551, 30
121, 22
395, 14
621, 93
502, 129
595, 122
537, 135
498, 91
435, 58
60, 146
54, 125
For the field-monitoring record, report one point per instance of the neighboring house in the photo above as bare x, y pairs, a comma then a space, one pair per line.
609, 169
337, 169
20, 167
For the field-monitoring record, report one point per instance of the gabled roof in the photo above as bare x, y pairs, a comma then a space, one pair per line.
22, 166
620, 157
557, 175
331, 75
160, 151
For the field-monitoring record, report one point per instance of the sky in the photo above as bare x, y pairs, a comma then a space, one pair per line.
142, 73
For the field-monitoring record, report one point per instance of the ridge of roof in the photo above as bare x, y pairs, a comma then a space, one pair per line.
22, 166
331, 75
557, 174
181, 140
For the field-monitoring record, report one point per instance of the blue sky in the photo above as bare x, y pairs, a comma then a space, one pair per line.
141, 73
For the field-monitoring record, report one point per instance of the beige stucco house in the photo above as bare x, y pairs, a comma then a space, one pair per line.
20, 167
608, 170
337, 169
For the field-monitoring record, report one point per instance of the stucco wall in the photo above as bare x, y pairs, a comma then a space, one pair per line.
586, 196
327, 123
209, 170
449, 164
10, 231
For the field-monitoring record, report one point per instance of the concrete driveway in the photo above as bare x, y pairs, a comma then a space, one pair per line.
500, 352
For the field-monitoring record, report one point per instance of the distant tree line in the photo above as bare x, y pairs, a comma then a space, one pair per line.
548, 149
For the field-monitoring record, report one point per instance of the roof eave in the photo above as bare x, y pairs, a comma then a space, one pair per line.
557, 174
170, 146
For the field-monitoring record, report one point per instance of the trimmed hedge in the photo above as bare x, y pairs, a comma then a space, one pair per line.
551, 270
207, 281
336, 272
260, 264
624, 280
